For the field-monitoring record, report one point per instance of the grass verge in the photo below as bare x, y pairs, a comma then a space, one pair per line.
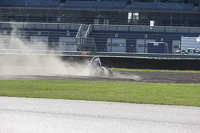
115, 91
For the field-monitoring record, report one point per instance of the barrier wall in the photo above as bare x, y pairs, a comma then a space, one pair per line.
125, 62
142, 63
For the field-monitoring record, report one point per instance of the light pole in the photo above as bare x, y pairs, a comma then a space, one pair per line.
27, 17
180, 43
111, 43
63, 17
47, 17
81, 40
145, 42
171, 20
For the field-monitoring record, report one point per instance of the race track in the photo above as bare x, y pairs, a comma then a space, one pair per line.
31, 115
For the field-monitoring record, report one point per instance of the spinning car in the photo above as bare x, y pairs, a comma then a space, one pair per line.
97, 69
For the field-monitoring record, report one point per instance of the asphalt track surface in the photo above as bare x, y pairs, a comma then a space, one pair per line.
31, 115
138, 76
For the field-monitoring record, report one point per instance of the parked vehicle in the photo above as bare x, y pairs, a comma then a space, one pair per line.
189, 51
181, 52
193, 51
157, 47
188, 43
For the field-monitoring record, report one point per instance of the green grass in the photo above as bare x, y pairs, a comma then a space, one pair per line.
115, 91
152, 70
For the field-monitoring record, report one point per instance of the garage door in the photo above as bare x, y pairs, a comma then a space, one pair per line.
116, 45
140, 45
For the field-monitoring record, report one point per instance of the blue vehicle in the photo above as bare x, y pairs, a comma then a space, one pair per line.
157, 47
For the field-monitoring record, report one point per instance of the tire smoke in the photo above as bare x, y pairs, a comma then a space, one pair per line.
22, 57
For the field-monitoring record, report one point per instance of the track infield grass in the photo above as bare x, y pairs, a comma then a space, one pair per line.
112, 91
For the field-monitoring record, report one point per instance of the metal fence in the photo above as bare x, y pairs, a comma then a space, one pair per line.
57, 26
105, 38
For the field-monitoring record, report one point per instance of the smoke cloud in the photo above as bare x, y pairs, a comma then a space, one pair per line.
19, 56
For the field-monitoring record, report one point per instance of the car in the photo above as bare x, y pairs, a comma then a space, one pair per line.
193, 51
181, 52
96, 69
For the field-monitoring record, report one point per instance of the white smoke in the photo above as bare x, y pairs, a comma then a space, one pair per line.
21, 57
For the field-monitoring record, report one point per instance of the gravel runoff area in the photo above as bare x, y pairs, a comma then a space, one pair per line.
139, 76
164, 77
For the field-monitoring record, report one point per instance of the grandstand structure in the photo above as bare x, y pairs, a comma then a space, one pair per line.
101, 12
103, 26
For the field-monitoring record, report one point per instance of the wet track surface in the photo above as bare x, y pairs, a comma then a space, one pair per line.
31, 115
139, 76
